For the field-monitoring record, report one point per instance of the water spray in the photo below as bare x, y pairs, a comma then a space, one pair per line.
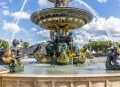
18, 20
97, 16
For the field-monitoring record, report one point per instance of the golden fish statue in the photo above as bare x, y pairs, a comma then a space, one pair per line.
8, 59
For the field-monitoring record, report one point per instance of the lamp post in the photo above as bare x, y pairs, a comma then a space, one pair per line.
21, 43
90, 46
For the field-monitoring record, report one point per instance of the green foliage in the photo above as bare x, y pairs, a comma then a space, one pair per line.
97, 46
26, 45
118, 44
85, 47
4, 44
82, 50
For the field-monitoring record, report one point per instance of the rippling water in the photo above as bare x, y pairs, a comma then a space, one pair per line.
88, 68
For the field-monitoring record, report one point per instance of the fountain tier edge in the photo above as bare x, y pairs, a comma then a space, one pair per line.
52, 17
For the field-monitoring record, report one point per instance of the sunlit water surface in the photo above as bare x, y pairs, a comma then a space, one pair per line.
33, 68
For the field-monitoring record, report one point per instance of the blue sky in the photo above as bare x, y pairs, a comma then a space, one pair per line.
109, 18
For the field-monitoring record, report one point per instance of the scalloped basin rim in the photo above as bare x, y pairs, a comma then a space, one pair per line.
61, 8
48, 18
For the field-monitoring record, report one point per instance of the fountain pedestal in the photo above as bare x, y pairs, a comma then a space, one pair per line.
61, 20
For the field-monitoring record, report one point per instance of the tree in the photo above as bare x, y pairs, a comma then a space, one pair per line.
4, 44
85, 47
97, 46
25, 45
82, 50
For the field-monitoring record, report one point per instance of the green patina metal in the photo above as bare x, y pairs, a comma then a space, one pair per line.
79, 17
13, 57
18, 68
61, 20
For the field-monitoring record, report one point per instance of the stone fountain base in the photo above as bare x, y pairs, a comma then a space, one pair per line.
111, 79
88, 80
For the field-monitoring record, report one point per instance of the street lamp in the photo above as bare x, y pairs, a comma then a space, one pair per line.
90, 46
21, 43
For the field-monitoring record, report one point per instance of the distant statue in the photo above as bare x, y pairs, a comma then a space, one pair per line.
2, 54
113, 60
8, 59
15, 49
13, 57
109, 43
52, 36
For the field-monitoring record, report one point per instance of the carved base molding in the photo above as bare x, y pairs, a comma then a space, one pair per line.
16, 80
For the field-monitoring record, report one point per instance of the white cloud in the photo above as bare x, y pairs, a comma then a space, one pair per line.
95, 30
44, 41
102, 1
21, 15
3, 5
5, 12
10, 0
44, 3
27, 33
10, 27
100, 38
33, 29
44, 33
4, 21
29, 39
40, 2
98, 26
81, 38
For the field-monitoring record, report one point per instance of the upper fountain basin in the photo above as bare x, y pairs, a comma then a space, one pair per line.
61, 18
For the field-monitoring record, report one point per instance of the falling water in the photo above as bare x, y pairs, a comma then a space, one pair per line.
18, 20
89, 7
97, 16
85, 4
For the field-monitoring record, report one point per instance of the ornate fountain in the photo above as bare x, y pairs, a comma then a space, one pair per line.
61, 50
61, 20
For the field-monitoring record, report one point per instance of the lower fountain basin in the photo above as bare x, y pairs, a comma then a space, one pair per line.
90, 74
89, 67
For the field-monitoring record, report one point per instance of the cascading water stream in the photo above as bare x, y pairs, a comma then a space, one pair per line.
97, 16
18, 20
85, 4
